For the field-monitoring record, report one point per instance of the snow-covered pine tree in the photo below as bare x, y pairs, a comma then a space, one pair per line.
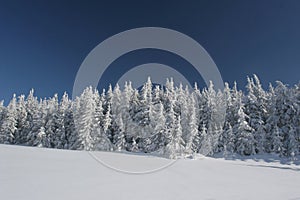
276, 140
205, 147
116, 107
119, 136
215, 117
255, 109
84, 113
21, 120
175, 148
157, 95
38, 121
169, 125
61, 120
9, 128
218, 118
233, 98
170, 89
204, 114
297, 116
70, 128
209, 116
2, 112
107, 123
158, 125
108, 98
153, 138
233, 105
179, 100
102, 142
245, 142
32, 109
262, 97
228, 139
192, 127
144, 111
199, 106
118, 128
270, 124
139, 112
50, 111
292, 147
182, 108
283, 110
228, 104
260, 137
127, 120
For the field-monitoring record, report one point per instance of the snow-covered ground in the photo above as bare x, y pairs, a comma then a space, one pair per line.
36, 173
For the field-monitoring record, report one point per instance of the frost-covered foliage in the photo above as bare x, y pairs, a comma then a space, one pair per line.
170, 121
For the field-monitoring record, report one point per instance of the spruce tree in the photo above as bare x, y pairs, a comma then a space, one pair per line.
9, 125
245, 142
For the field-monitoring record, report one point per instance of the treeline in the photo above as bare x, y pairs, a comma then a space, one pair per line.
172, 122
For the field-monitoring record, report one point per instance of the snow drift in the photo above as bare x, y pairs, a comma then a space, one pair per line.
37, 173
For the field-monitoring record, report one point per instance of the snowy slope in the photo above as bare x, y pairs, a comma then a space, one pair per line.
33, 173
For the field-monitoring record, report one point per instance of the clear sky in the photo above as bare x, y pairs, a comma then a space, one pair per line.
43, 43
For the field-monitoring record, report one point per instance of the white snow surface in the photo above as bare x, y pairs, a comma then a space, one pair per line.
37, 173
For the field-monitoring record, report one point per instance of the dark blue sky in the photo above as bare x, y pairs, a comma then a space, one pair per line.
43, 43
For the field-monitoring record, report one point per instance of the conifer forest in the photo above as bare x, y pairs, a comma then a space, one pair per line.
168, 121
